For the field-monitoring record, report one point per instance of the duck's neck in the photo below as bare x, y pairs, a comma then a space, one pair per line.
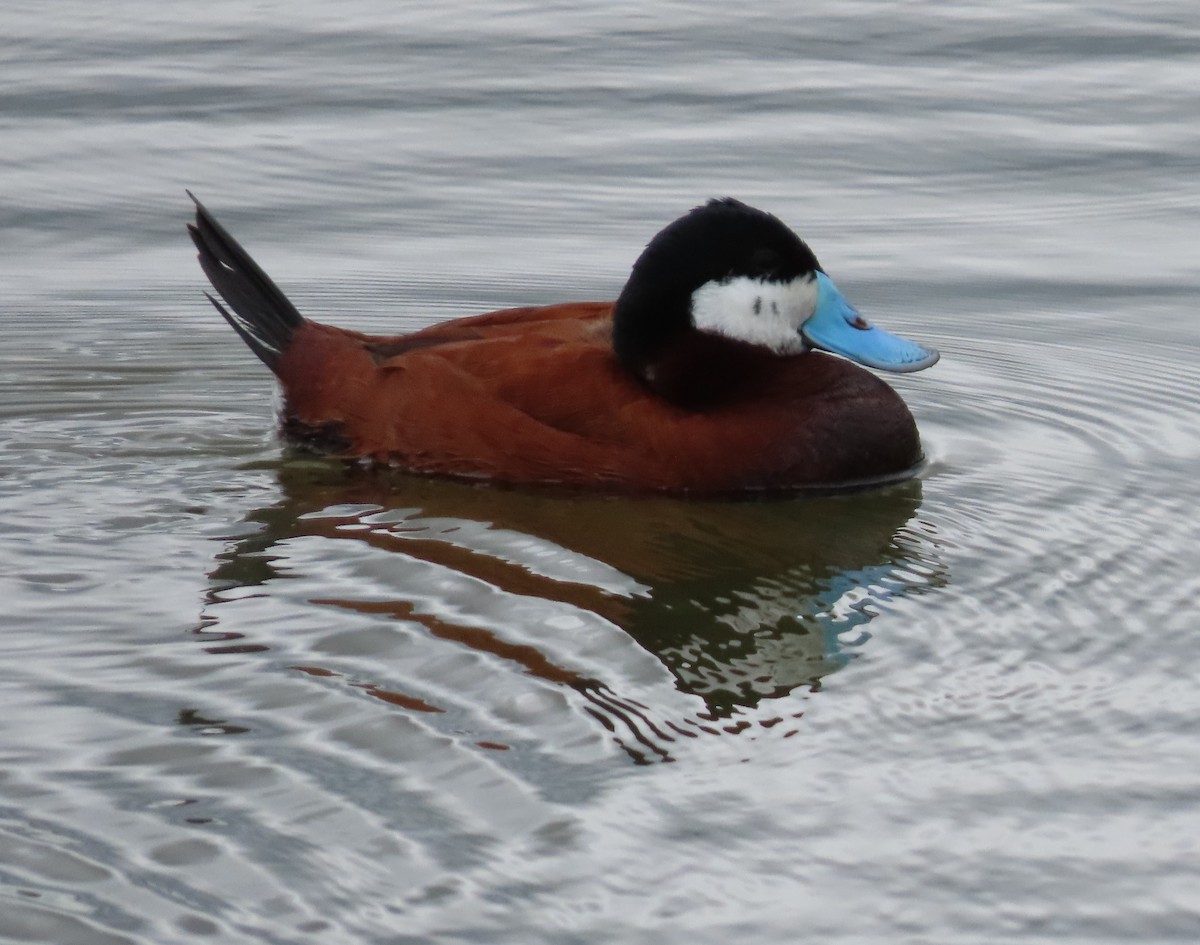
702, 371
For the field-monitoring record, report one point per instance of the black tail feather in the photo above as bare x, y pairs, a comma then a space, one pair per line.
262, 314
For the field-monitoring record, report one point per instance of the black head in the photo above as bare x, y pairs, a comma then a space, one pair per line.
720, 243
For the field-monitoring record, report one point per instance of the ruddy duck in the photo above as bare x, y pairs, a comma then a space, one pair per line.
708, 375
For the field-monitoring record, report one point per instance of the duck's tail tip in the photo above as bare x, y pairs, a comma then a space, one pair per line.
257, 310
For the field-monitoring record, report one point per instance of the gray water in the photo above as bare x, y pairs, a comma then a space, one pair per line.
248, 697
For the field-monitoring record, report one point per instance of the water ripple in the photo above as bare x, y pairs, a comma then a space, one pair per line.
253, 698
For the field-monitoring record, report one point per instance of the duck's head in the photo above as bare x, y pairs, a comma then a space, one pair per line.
727, 284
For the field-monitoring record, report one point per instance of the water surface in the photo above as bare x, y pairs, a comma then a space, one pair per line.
254, 697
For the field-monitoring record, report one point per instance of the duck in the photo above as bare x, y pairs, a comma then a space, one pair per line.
730, 364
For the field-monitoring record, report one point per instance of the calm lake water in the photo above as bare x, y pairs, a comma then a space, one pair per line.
249, 697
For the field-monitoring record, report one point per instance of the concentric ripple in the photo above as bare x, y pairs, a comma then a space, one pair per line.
252, 698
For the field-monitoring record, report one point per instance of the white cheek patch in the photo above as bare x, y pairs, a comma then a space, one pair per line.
757, 311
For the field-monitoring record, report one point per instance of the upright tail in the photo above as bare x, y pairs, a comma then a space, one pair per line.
261, 314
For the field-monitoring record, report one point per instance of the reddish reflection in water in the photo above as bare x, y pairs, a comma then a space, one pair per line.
743, 602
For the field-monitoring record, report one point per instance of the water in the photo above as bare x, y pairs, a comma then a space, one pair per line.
249, 697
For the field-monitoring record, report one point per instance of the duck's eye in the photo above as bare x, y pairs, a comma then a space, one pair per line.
764, 261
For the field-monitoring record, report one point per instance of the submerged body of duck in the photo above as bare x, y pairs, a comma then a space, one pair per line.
701, 378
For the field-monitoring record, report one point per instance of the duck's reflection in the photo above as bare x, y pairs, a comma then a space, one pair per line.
742, 602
